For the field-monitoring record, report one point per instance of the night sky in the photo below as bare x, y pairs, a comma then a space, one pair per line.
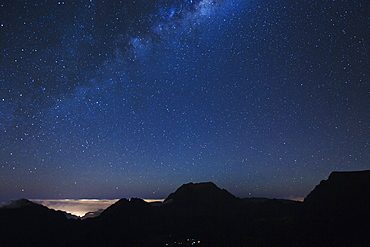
110, 99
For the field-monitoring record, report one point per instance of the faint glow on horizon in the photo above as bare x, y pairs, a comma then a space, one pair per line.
293, 198
80, 207
153, 200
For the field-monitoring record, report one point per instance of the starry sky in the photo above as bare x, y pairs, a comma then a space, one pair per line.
111, 99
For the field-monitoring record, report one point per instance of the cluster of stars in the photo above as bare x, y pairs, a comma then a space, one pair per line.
131, 98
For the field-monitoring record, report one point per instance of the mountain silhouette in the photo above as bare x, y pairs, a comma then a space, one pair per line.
342, 190
207, 193
25, 223
335, 213
201, 198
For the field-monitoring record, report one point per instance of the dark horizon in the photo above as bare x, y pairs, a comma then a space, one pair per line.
335, 213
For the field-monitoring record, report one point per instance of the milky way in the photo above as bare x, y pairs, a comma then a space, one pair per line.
110, 99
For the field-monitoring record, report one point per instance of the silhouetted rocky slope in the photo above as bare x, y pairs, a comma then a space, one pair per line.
24, 223
342, 190
335, 213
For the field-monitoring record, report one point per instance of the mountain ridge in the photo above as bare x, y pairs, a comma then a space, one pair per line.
335, 213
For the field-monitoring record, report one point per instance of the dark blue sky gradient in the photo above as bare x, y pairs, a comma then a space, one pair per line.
110, 99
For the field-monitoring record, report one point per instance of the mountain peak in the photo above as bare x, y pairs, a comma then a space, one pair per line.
205, 193
201, 185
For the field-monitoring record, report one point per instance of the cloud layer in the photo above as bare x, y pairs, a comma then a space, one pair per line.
79, 207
